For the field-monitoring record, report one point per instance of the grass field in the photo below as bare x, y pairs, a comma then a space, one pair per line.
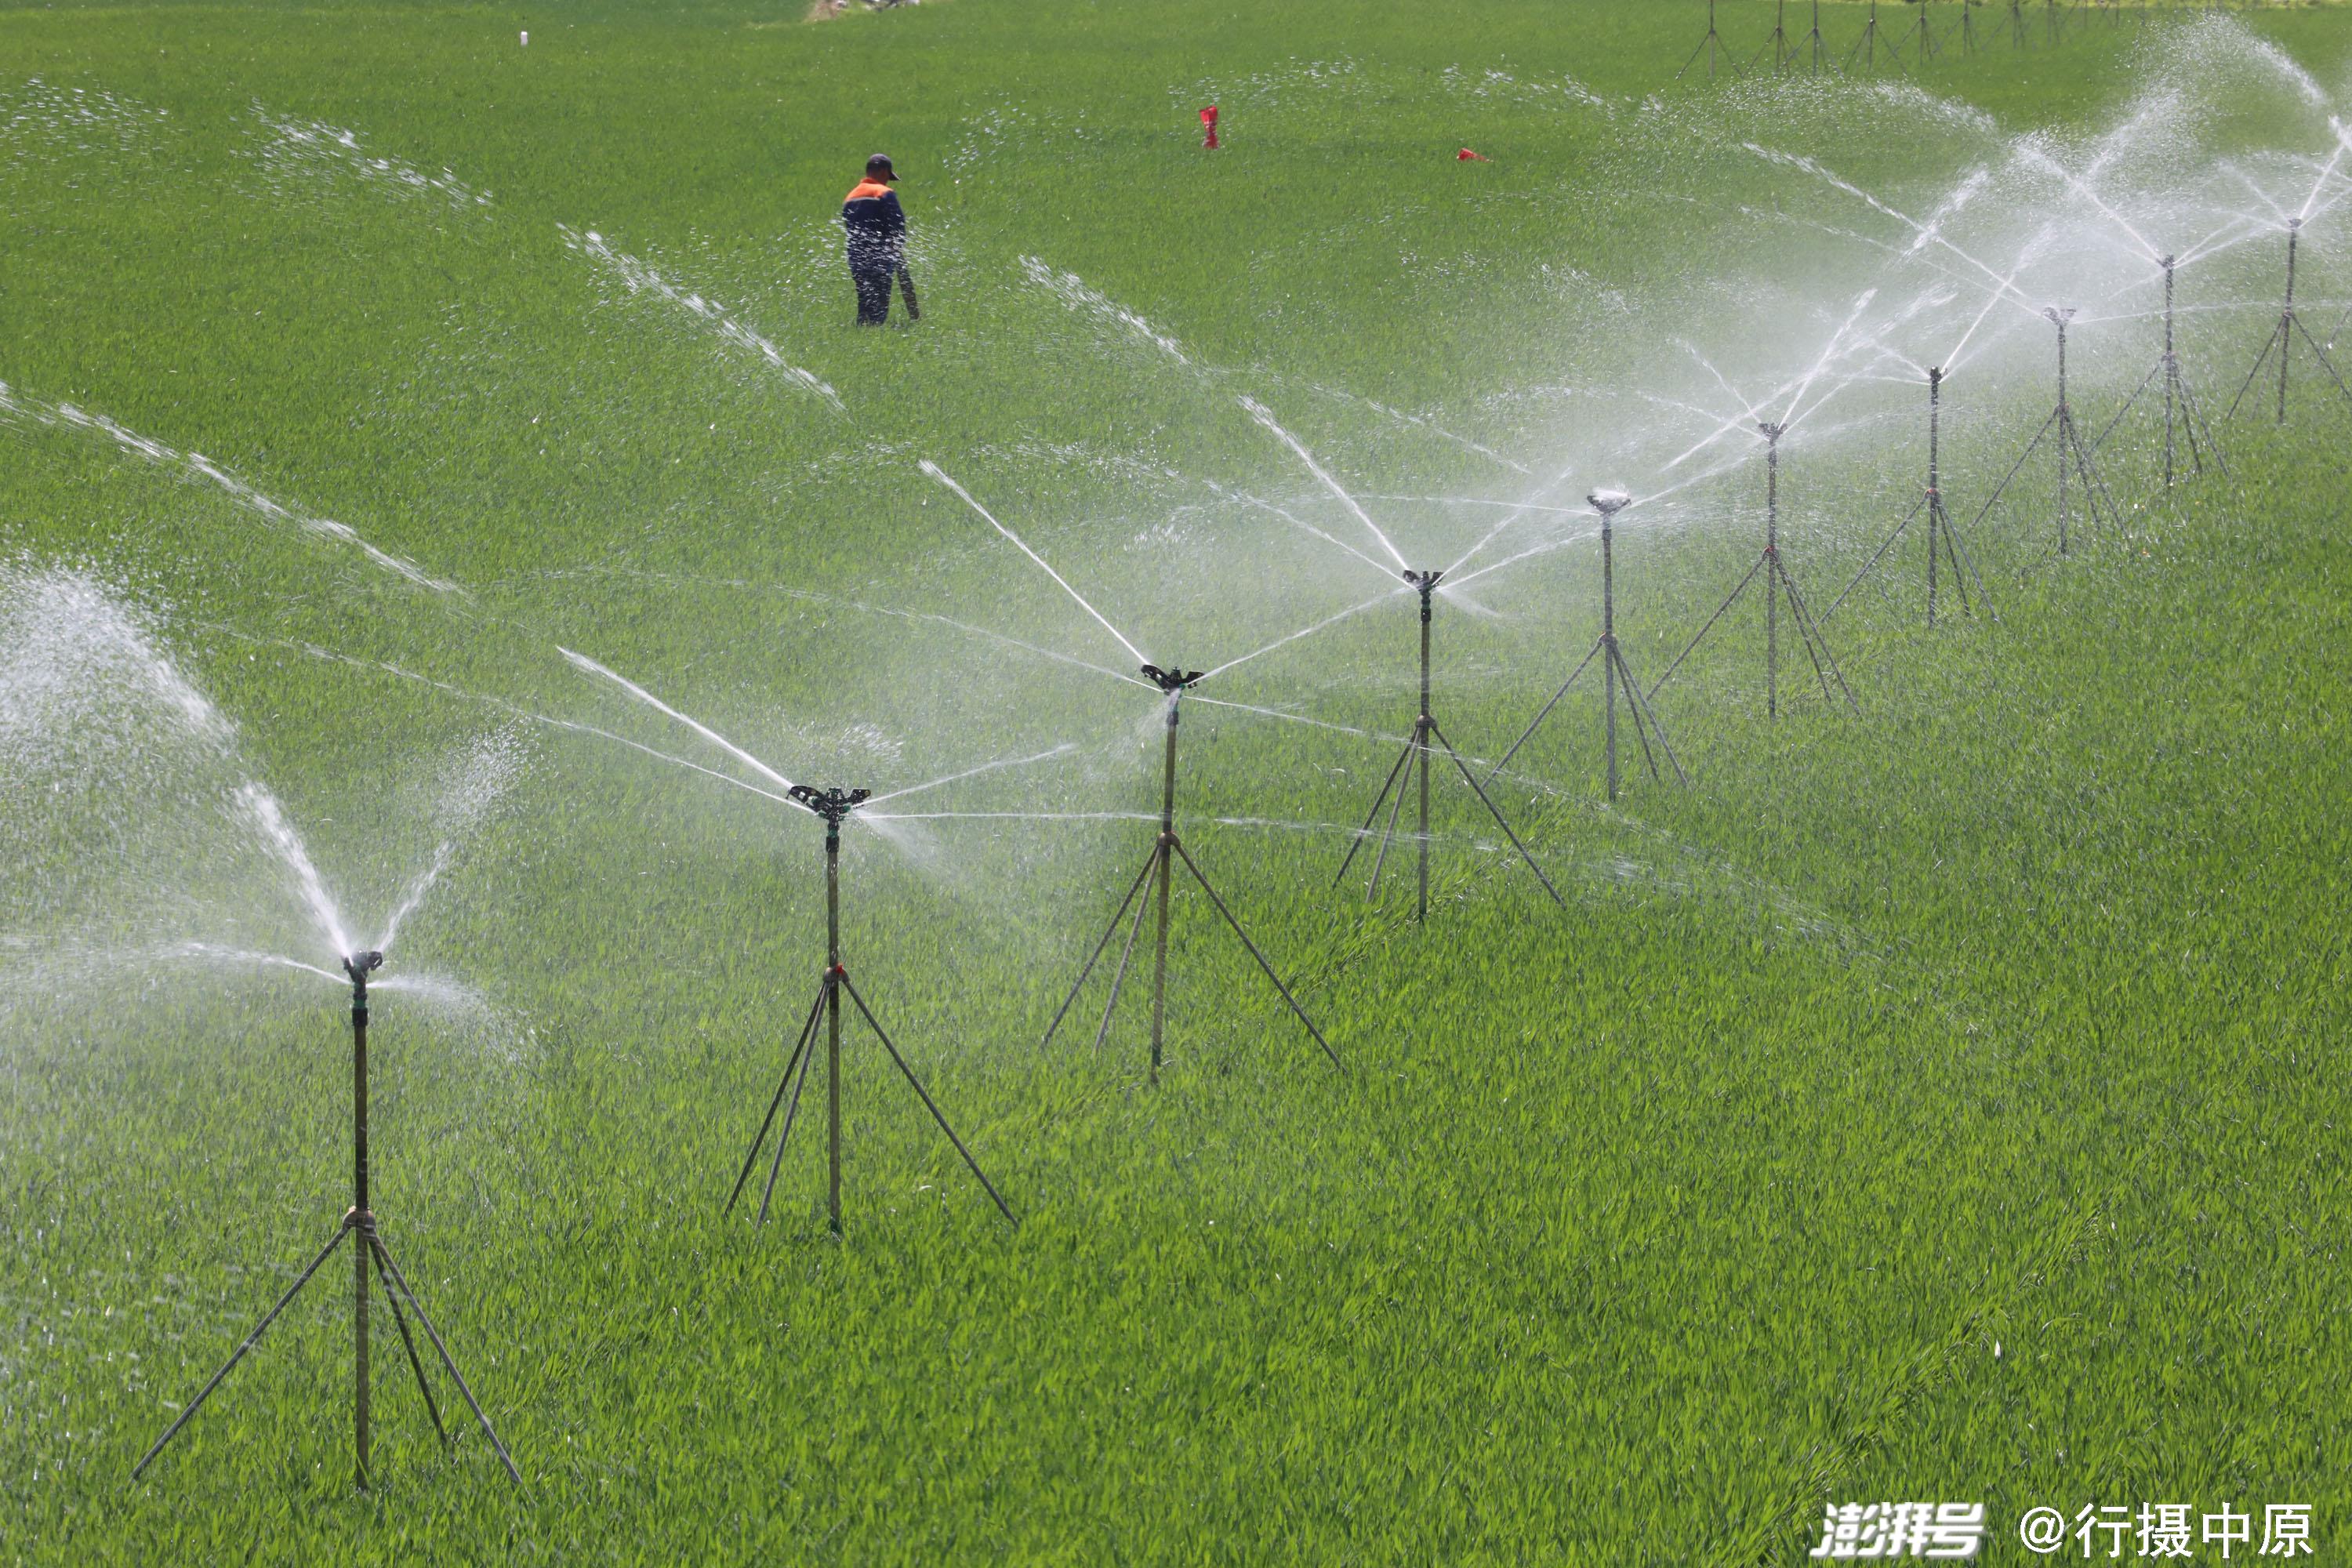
1943, 1103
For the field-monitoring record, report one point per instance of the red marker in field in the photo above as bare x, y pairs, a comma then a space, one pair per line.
1468, 156
1209, 124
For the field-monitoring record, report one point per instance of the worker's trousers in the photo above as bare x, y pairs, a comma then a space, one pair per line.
872, 282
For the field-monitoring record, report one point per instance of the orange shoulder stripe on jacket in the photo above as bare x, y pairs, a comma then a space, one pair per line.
865, 189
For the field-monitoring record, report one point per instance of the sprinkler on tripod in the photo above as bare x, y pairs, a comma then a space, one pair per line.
1776, 45
833, 807
1945, 545
1417, 747
1613, 667
2074, 457
1708, 47
1166, 849
368, 1250
2281, 339
1778, 585
1866, 47
2184, 415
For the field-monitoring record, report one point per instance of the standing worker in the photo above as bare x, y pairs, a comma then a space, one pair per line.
877, 228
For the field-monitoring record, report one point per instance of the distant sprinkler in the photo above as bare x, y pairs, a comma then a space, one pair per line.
1778, 586
369, 1248
1945, 545
1160, 865
1417, 748
2074, 462
1866, 47
833, 807
2184, 414
1613, 667
2283, 337
1709, 47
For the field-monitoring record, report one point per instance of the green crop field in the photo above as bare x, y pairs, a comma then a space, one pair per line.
1943, 1097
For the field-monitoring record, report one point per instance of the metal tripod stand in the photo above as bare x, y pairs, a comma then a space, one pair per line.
2073, 456
833, 805
1416, 746
1945, 545
2281, 339
2184, 415
368, 1250
1866, 47
1614, 666
1708, 47
1166, 849
1778, 585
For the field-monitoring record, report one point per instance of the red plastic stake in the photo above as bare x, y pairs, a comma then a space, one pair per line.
1209, 124
1468, 156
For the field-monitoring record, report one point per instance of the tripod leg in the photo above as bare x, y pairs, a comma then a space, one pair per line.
1388, 833
408, 1341
447, 1363
1365, 831
1543, 714
1633, 711
2023, 459
792, 1106
924, 1095
2268, 345
1191, 866
2196, 422
238, 1354
1497, 812
2095, 484
1876, 556
1813, 634
1720, 610
2324, 363
1119, 976
752, 1155
1650, 716
1958, 550
1094, 957
2145, 382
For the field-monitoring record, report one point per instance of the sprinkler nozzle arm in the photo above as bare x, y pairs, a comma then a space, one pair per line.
360, 965
1174, 679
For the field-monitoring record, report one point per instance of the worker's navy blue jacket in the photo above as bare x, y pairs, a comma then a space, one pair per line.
876, 226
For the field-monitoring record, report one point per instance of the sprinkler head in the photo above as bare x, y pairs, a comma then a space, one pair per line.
1172, 680
1609, 503
1771, 431
833, 805
2292, 224
360, 965
1424, 581
2056, 316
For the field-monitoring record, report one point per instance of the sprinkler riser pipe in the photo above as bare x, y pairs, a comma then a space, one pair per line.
832, 1024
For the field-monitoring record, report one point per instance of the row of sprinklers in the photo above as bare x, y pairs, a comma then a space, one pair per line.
1936, 27
2082, 495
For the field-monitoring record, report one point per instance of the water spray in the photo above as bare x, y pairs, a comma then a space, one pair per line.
2281, 339
1166, 849
2184, 415
2074, 457
834, 806
1778, 585
1417, 748
1945, 545
368, 1249
1613, 667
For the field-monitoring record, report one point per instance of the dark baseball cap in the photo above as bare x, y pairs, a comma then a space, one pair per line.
879, 165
